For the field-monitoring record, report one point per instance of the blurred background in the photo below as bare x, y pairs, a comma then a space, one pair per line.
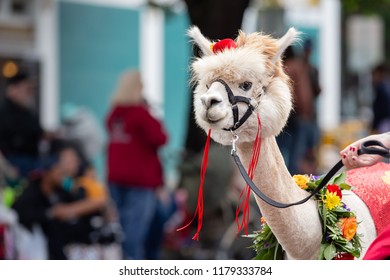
74, 51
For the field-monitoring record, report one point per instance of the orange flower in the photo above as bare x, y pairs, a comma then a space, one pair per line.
348, 227
263, 220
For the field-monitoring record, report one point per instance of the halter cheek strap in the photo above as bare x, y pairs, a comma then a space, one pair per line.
233, 99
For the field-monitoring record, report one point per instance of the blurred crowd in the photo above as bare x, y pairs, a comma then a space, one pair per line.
52, 200
53, 204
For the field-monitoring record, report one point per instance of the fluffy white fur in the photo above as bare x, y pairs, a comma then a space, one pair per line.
257, 60
288, 39
200, 40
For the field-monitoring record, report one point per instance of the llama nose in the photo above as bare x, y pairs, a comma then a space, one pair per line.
209, 101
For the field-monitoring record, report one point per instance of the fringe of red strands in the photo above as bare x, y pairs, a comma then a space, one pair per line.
246, 192
200, 205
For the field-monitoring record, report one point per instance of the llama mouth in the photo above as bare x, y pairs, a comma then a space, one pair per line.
213, 121
213, 118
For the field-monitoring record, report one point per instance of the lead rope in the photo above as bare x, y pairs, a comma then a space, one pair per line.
200, 205
246, 192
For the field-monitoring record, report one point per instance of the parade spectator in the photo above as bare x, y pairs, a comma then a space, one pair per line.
133, 165
381, 104
293, 141
20, 130
61, 203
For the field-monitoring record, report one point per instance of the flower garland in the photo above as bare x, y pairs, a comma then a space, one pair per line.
340, 240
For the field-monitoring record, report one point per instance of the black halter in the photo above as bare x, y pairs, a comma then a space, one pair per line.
369, 147
234, 99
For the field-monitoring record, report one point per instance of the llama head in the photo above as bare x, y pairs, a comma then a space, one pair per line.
251, 68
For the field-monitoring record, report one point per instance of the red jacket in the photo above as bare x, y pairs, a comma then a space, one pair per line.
134, 139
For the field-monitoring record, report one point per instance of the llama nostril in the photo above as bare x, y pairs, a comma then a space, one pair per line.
213, 101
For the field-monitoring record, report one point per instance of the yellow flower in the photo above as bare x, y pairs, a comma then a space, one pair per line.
301, 180
348, 227
332, 200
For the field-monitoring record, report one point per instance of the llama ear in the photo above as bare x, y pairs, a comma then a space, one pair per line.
289, 38
202, 42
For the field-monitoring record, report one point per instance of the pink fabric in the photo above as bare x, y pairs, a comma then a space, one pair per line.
372, 185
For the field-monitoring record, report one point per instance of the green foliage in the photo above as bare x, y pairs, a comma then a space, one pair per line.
266, 245
333, 243
366, 7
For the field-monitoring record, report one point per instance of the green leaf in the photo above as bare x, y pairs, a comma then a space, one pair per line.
345, 186
276, 251
269, 255
322, 249
339, 179
330, 252
324, 215
311, 185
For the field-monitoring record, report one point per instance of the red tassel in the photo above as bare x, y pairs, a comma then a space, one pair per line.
200, 206
246, 192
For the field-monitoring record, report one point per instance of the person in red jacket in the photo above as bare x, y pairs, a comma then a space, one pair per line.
133, 165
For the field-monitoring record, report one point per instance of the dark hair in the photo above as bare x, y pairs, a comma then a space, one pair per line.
381, 68
17, 78
47, 162
308, 45
289, 53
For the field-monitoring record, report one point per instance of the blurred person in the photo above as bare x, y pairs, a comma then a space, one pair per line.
166, 207
20, 130
81, 183
381, 104
380, 247
80, 125
7, 171
35, 205
311, 69
62, 209
293, 141
308, 165
218, 211
133, 165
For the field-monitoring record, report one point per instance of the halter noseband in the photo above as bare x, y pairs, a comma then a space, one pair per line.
234, 99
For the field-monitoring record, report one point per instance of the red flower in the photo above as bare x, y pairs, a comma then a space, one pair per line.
335, 189
223, 44
343, 256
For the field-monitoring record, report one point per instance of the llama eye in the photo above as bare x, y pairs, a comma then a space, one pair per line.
207, 86
245, 86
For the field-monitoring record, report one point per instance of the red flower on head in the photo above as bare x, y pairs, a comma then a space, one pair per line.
335, 189
223, 44
343, 256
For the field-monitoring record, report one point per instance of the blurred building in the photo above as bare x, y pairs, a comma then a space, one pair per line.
76, 49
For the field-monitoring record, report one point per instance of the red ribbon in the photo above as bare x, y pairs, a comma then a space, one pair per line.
246, 192
200, 206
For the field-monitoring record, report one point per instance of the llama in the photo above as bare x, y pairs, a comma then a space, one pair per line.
251, 66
